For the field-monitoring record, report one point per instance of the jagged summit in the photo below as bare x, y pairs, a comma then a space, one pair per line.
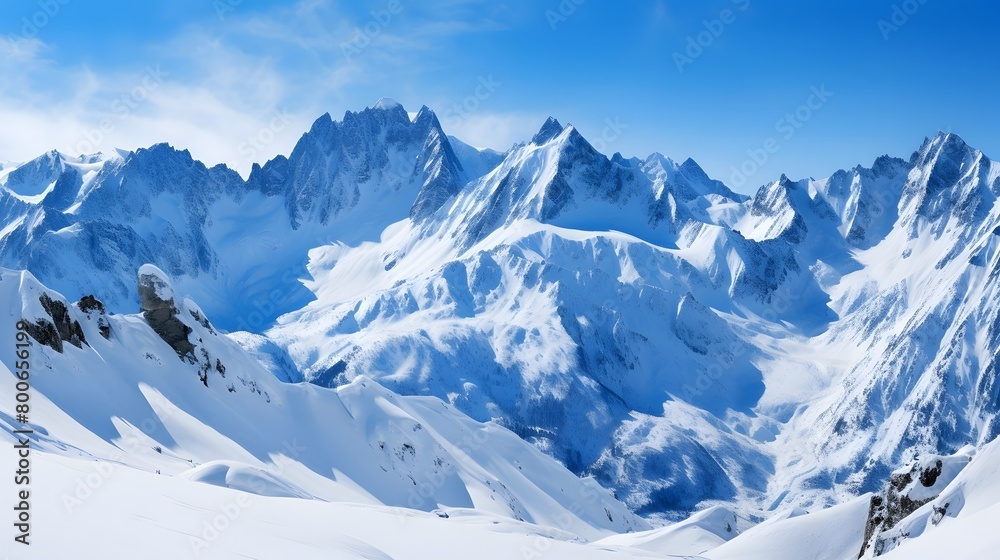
946, 142
549, 130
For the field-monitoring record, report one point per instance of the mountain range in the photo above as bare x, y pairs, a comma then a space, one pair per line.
387, 292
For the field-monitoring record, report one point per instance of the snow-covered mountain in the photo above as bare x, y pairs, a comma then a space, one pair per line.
688, 347
239, 246
167, 394
502, 305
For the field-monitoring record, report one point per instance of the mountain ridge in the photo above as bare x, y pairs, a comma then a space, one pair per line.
599, 307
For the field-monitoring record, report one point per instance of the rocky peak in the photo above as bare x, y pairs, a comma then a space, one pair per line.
33, 177
550, 129
156, 298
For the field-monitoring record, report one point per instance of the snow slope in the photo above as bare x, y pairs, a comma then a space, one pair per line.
699, 534
133, 406
132, 513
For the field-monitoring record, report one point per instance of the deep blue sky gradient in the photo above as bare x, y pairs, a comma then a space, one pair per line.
589, 63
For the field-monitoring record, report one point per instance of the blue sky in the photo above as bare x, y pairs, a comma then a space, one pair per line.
748, 88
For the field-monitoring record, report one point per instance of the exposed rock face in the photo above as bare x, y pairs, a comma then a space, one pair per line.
888, 508
60, 327
68, 329
176, 320
89, 304
908, 490
93, 306
156, 298
45, 333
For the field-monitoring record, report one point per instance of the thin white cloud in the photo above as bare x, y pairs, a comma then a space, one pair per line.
240, 92
498, 131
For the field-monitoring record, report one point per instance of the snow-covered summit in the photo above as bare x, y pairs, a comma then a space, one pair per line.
386, 104
549, 130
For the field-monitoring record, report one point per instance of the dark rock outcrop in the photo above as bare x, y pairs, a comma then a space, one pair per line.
44, 332
94, 307
893, 504
57, 328
89, 304
68, 329
156, 299
174, 322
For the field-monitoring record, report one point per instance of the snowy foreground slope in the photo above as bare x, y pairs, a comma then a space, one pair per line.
135, 514
124, 415
140, 451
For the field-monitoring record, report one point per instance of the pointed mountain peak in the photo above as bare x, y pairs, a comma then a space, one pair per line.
886, 165
943, 136
949, 140
33, 178
948, 144
550, 129
424, 111
165, 149
387, 104
425, 117
97, 157
383, 111
785, 182
323, 122
692, 170
686, 180
690, 163
51, 158
657, 157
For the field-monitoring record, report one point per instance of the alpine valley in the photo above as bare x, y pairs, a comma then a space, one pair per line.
391, 344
